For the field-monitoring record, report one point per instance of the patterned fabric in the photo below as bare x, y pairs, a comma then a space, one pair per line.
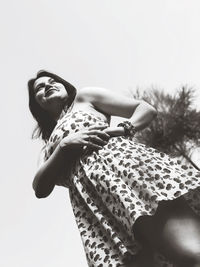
110, 188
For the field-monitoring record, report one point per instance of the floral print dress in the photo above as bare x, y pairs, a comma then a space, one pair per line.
110, 188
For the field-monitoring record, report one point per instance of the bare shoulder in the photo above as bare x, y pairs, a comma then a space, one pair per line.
91, 93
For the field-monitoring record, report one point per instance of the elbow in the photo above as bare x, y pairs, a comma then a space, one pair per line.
150, 109
40, 193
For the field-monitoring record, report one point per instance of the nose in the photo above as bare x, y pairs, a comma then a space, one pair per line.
47, 86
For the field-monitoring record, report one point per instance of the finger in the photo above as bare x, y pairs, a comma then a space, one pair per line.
100, 127
93, 146
101, 134
104, 136
97, 140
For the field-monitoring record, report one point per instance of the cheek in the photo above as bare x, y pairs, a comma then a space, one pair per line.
39, 98
64, 92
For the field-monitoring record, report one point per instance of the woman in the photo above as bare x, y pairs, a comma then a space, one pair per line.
115, 183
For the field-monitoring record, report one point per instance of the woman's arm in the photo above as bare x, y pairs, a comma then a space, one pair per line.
139, 112
46, 177
69, 148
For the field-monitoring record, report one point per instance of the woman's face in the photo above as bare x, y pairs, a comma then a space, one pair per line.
49, 93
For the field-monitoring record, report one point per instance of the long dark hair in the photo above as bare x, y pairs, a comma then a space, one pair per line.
45, 124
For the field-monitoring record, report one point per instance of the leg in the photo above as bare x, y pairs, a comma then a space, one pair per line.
143, 259
174, 231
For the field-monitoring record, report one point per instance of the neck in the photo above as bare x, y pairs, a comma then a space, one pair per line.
57, 111
60, 115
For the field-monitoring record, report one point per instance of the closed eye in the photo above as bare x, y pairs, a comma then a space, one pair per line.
52, 81
39, 87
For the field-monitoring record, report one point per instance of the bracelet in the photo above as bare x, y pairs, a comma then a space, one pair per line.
129, 128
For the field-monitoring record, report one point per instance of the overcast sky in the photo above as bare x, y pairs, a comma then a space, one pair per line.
117, 44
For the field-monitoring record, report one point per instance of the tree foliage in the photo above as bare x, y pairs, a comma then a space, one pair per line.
177, 127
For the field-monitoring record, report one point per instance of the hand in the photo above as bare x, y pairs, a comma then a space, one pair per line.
93, 138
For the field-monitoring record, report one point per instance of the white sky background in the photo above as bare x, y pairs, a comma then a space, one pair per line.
117, 44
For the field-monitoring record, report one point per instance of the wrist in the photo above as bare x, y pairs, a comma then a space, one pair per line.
120, 130
129, 128
114, 131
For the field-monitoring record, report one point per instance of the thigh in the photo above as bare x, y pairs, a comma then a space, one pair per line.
143, 259
179, 234
174, 230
